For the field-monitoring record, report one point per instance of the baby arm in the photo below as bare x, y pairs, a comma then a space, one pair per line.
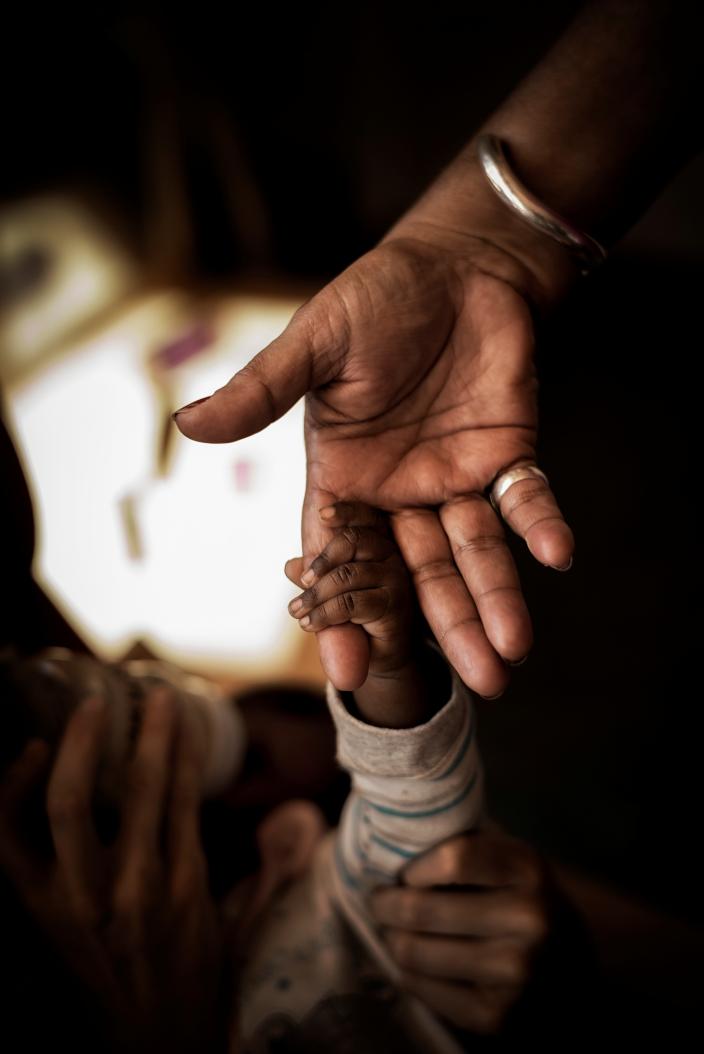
407, 734
469, 925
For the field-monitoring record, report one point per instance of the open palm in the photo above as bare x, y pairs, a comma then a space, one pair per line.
419, 372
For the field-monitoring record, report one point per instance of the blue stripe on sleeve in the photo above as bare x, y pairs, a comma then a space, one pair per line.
347, 878
358, 847
394, 848
421, 814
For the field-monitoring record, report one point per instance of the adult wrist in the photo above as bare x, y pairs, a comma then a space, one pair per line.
461, 214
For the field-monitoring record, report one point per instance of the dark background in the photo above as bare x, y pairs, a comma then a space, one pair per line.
287, 142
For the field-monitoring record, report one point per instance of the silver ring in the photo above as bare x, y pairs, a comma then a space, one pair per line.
505, 480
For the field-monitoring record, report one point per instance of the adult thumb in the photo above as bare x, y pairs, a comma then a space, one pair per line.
258, 394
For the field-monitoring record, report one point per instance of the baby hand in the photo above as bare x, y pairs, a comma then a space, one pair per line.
360, 577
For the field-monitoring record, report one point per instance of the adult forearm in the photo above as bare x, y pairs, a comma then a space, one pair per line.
609, 115
594, 131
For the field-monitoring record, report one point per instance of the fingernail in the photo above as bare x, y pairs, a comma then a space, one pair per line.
305, 622
308, 578
327, 513
189, 406
490, 698
565, 568
519, 662
295, 605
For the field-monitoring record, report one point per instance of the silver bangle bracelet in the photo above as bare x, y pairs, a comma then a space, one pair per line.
512, 192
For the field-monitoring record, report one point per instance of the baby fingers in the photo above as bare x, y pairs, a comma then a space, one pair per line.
352, 543
343, 590
350, 605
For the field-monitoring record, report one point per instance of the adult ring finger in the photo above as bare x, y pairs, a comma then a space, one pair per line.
505, 480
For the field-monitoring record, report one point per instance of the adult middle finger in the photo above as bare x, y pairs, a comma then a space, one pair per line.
500, 913
69, 800
147, 786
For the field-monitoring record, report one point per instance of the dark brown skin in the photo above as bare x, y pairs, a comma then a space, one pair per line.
134, 921
469, 952
139, 928
417, 361
426, 328
360, 579
473, 914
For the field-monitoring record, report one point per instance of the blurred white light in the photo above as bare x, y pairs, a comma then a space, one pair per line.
212, 534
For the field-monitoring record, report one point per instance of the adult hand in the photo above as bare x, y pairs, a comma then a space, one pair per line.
418, 359
418, 364
134, 920
468, 953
